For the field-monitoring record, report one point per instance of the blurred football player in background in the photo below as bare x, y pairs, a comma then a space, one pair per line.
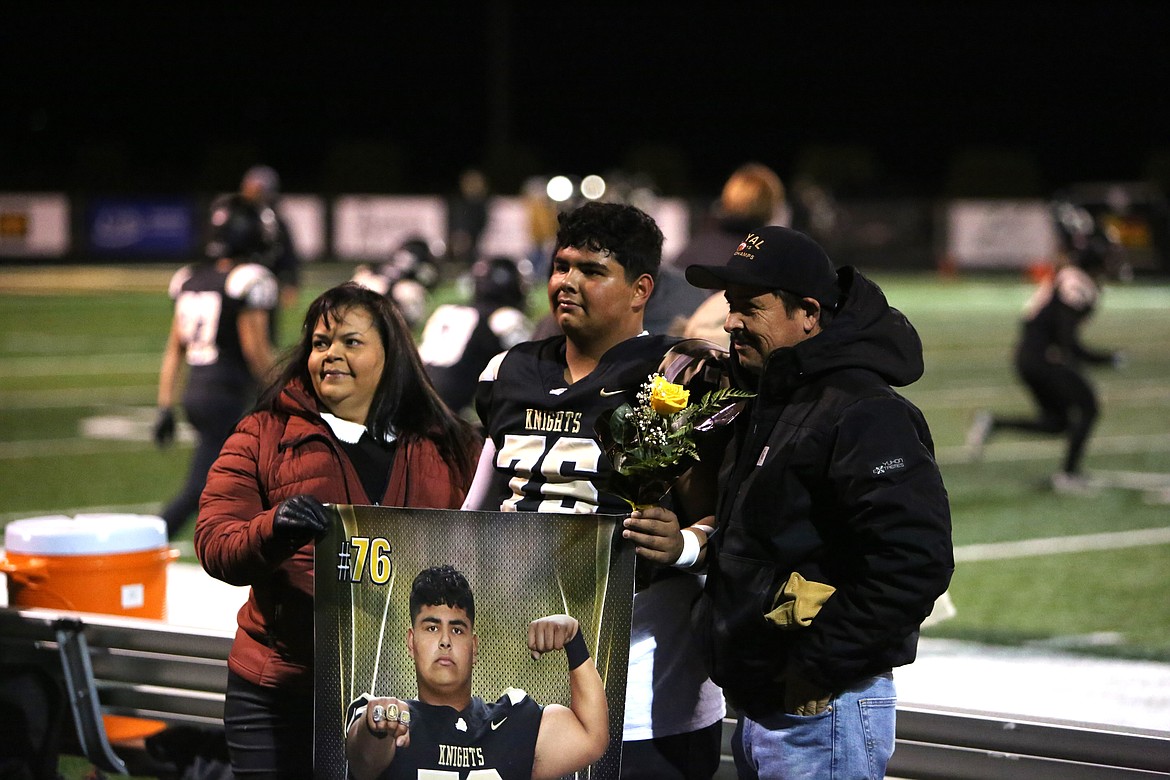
220, 329
467, 216
406, 278
261, 187
459, 339
1049, 354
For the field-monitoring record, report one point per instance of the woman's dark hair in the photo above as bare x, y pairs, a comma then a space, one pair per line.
441, 586
405, 401
626, 231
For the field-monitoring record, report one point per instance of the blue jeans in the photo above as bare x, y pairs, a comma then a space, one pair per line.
851, 740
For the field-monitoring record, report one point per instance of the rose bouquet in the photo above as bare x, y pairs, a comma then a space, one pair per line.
653, 442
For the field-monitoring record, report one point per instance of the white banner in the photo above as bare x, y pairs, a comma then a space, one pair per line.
999, 233
674, 220
34, 225
305, 217
371, 227
508, 230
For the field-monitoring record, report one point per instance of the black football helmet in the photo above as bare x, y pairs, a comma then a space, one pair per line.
237, 230
500, 281
414, 260
1087, 242
1074, 225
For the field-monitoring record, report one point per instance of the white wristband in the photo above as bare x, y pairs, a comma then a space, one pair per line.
690, 550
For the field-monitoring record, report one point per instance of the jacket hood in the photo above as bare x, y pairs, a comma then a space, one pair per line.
865, 332
296, 399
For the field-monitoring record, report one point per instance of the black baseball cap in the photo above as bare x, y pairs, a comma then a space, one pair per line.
776, 258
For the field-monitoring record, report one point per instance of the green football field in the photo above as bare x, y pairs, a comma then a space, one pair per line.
80, 354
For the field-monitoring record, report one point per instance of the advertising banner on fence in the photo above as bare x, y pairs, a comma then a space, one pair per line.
34, 225
369, 227
305, 217
162, 227
520, 565
999, 233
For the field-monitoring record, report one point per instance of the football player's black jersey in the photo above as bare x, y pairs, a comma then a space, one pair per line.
459, 341
208, 303
496, 741
542, 427
1053, 317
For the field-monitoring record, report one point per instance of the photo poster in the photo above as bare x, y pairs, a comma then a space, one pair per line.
520, 565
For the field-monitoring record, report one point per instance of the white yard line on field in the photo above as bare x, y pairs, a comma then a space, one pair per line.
1027, 548
83, 365
1038, 449
54, 448
1127, 394
66, 398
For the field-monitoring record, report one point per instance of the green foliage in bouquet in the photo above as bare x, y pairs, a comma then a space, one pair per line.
653, 442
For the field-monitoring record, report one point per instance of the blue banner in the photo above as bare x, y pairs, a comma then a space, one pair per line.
165, 227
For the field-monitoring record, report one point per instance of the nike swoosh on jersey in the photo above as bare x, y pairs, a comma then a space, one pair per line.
607, 393
497, 725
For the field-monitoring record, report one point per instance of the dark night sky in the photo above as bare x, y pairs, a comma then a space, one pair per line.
172, 96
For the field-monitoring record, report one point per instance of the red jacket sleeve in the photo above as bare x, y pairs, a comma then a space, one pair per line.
235, 522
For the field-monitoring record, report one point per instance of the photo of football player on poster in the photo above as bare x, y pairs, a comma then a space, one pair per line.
523, 568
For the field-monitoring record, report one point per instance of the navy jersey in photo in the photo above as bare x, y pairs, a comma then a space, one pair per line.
489, 741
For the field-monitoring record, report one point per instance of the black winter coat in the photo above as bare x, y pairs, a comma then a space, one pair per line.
834, 479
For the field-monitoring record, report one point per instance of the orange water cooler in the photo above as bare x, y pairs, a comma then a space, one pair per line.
110, 563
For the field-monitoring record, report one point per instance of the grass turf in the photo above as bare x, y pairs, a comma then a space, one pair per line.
74, 349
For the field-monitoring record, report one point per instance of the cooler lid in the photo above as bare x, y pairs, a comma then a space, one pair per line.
85, 534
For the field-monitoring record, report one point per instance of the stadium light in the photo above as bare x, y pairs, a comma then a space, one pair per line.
593, 186
559, 188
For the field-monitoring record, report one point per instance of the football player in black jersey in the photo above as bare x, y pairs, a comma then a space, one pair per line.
447, 730
539, 402
459, 339
220, 330
1050, 356
260, 187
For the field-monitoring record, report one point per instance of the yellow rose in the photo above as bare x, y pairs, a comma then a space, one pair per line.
666, 398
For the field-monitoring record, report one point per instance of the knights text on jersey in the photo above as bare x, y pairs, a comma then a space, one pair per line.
542, 427
485, 740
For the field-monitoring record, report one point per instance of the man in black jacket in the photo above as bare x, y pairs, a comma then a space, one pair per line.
833, 525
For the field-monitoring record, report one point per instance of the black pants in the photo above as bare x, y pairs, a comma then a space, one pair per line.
213, 418
690, 756
269, 730
1067, 404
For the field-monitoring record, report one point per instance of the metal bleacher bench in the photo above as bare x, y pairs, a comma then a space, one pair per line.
939, 743
149, 669
120, 666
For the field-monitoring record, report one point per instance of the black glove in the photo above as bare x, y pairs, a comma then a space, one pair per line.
300, 520
164, 426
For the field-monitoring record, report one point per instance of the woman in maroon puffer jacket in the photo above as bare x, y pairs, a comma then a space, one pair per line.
352, 419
